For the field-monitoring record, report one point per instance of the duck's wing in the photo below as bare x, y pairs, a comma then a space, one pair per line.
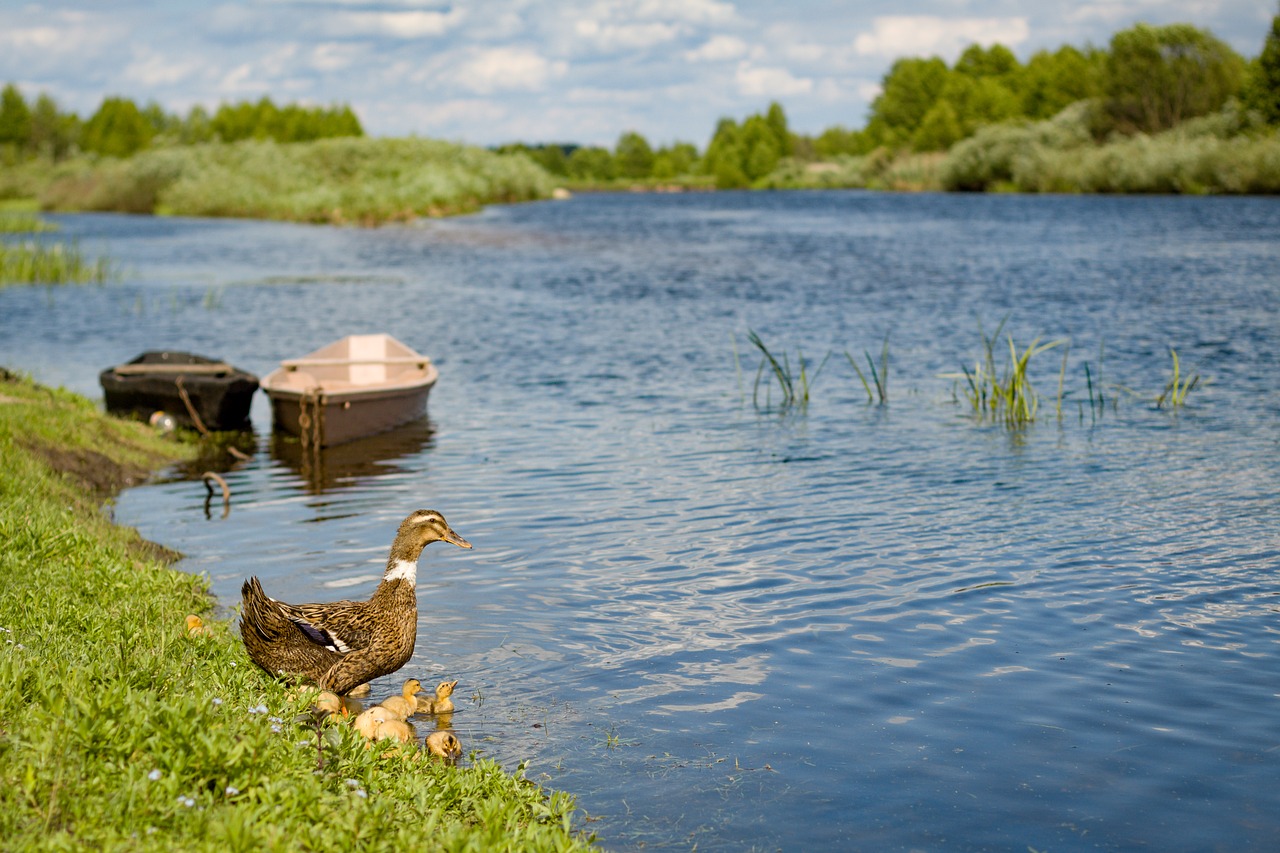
340, 626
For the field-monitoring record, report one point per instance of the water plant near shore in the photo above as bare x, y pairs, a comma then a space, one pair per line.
23, 222
50, 263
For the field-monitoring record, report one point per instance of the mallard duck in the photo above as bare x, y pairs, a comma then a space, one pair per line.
342, 644
444, 745
405, 705
440, 703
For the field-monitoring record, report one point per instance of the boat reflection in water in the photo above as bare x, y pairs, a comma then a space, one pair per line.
326, 469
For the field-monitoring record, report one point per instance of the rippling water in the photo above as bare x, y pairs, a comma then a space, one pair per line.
722, 624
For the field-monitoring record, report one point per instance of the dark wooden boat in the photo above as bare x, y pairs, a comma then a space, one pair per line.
195, 390
357, 386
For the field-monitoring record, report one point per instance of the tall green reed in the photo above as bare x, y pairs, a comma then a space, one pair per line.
1004, 395
880, 378
1177, 388
54, 263
794, 384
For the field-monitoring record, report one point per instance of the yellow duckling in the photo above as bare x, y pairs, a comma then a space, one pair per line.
197, 628
439, 703
367, 722
395, 730
362, 691
342, 706
444, 745
405, 705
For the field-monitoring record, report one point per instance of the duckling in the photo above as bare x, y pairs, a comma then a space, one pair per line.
405, 705
440, 703
360, 692
197, 628
331, 703
368, 721
444, 745
395, 730
343, 644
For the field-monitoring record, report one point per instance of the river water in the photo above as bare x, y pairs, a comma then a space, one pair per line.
728, 623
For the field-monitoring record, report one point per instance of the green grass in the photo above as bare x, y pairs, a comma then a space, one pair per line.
120, 731
50, 263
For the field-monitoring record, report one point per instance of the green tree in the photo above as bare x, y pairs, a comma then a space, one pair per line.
1053, 81
592, 163
675, 160
1158, 77
940, 129
997, 62
776, 118
634, 156
1263, 90
908, 91
117, 129
15, 119
725, 156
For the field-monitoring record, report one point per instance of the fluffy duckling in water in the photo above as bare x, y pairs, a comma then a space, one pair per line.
440, 703
405, 705
444, 745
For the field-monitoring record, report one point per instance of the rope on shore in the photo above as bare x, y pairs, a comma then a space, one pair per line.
209, 479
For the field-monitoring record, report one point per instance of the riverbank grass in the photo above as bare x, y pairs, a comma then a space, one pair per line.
119, 729
50, 263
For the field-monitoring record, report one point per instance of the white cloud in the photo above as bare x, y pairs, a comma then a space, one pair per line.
691, 11
630, 36
334, 56
718, 49
498, 69
403, 25
895, 36
153, 69
770, 82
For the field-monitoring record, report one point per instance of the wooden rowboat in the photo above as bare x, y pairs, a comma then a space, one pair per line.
200, 393
356, 386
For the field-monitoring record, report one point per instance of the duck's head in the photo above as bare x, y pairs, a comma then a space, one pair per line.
445, 745
421, 529
412, 687
445, 689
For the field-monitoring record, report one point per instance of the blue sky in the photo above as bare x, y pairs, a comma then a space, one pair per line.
584, 71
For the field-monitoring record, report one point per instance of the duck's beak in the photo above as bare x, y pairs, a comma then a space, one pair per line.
450, 536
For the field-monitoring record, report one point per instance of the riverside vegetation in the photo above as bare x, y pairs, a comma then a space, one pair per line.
120, 729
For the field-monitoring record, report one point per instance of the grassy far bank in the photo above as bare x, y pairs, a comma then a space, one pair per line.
119, 730
344, 180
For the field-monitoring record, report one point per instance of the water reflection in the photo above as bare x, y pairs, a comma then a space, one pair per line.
347, 465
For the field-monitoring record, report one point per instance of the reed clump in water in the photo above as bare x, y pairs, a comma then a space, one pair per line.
24, 223
1006, 396
880, 378
1177, 388
53, 263
794, 384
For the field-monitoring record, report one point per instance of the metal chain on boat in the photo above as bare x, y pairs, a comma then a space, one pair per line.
311, 423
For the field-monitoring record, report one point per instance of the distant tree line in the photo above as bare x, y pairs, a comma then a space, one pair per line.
120, 128
1149, 80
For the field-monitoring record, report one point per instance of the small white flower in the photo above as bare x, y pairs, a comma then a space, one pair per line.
352, 783
360, 793
274, 728
275, 719
186, 801
216, 702
154, 775
232, 791
233, 663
